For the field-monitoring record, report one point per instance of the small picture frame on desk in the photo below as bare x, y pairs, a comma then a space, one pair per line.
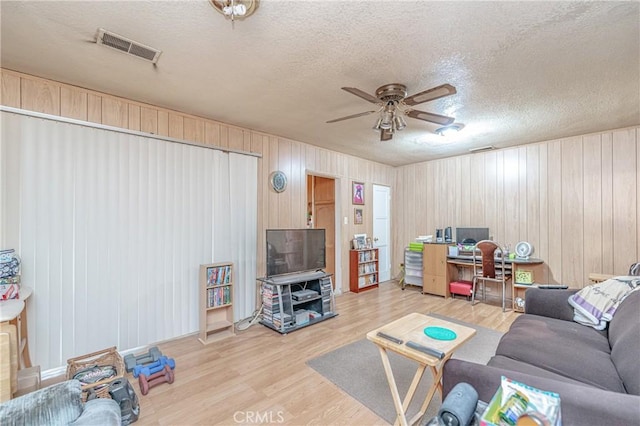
361, 239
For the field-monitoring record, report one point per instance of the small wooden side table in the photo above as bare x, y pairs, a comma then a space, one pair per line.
598, 278
411, 328
14, 312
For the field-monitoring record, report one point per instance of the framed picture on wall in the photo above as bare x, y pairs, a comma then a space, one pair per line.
358, 193
357, 216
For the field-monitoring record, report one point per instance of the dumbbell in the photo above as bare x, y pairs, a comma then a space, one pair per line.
122, 392
162, 376
154, 367
130, 361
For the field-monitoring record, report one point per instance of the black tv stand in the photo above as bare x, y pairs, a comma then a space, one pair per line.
282, 313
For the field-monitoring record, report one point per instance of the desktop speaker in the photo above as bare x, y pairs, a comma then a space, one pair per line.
447, 235
458, 408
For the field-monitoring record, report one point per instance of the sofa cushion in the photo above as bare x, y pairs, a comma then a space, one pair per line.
564, 348
624, 338
59, 404
581, 405
504, 363
100, 411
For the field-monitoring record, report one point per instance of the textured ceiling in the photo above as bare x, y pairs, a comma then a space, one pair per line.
524, 71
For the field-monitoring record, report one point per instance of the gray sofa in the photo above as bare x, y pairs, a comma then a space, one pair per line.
596, 373
59, 404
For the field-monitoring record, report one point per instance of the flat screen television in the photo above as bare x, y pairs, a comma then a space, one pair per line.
469, 236
295, 250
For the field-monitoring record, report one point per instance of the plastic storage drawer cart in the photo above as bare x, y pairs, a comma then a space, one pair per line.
413, 267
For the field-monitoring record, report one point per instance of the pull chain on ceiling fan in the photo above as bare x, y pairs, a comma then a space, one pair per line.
393, 104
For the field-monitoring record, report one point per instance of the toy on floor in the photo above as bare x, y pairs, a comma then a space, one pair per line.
151, 375
131, 361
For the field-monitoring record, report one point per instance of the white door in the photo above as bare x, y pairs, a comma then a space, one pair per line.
382, 229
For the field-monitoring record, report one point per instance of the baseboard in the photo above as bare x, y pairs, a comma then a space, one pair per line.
58, 372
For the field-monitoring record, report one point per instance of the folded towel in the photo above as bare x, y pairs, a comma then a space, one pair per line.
596, 304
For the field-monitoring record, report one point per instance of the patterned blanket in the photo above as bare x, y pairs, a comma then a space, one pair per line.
595, 305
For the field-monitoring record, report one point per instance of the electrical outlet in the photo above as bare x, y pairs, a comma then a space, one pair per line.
346, 220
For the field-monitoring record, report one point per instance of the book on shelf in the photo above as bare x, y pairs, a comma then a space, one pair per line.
218, 275
367, 268
367, 256
227, 295
218, 296
212, 276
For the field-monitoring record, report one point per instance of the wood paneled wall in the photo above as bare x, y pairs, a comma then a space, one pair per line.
296, 159
577, 200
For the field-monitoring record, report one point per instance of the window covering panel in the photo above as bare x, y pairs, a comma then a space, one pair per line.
112, 227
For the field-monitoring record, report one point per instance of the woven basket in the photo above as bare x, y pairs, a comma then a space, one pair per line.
104, 357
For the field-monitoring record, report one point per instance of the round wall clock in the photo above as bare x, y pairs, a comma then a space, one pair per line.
278, 181
523, 250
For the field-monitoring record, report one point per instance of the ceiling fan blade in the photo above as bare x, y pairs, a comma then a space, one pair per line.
430, 117
385, 135
351, 116
431, 94
361, 94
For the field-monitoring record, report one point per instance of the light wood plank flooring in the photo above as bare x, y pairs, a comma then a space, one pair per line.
263, 374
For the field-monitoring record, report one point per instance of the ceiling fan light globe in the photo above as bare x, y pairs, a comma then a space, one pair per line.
387, 120
235, 8
399, 122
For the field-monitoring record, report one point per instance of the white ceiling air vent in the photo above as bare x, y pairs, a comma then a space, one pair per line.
128, 46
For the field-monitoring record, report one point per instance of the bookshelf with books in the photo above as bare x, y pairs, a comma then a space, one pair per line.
363, 269
216, 302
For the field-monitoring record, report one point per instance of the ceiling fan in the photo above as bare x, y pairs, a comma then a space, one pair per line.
393, 103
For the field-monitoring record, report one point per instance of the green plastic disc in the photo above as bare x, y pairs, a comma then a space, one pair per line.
440, 333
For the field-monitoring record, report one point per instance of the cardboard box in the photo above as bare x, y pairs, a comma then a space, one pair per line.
28, 380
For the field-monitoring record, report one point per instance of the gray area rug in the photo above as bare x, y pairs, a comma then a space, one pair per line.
357, 369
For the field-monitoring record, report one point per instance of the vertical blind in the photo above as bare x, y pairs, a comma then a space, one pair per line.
112, 227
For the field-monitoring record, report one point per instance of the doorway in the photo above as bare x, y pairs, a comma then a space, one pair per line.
321, 214
382, 229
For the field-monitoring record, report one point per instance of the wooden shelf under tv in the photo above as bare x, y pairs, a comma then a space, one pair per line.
282, 313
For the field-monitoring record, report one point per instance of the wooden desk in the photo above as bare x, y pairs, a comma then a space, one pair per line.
14, 312
411, 327
534, 265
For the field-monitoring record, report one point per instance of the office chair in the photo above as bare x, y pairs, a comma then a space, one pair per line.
484, 268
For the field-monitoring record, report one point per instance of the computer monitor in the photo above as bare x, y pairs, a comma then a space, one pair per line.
471, 235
